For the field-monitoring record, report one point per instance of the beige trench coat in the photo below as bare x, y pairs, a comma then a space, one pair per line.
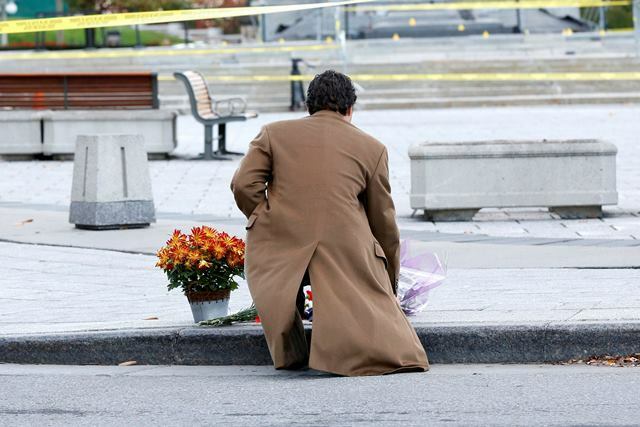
316, 194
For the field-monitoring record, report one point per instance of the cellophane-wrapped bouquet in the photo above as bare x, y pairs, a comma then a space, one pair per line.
420, 272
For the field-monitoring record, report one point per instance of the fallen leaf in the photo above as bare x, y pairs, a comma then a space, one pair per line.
128, 363
151, 318
609, 360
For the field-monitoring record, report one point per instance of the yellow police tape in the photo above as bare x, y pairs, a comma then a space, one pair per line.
137, 18
505, 4
150, 52
451, 77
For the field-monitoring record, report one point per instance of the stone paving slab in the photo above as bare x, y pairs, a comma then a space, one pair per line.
201, 188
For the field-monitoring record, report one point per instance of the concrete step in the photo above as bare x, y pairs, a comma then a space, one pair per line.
497, 101
505, 54
282, 104
408, 89
442, 53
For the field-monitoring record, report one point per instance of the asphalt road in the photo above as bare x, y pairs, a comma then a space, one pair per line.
251, 396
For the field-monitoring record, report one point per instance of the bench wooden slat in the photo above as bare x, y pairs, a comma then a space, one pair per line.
69, 90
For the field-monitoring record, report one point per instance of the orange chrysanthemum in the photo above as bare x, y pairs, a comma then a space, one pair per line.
200, 249
177, 238
209, 232
204, 264
198, 237
218, 250
234, 259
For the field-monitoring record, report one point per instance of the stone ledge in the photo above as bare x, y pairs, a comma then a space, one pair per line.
61, 128
511, 149
245, 344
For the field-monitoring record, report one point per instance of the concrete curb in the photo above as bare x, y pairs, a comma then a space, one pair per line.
245, 345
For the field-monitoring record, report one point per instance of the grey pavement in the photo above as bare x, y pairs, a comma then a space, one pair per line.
35, 225
527, 395
47, 289
520, 268
200, 189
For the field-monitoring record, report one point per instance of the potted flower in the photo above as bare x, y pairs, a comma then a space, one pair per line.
205, 265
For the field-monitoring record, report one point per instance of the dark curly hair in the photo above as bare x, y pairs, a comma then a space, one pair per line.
331, 90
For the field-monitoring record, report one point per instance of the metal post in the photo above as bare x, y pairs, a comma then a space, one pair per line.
138, 38
222, 138
341, 37
209, 154
59, 12
337, 24
3, 16
602, 18
636, 24
297, 89
90, 38
40, 41
263, 20
154, 91
346, 22
519, 19
208, 142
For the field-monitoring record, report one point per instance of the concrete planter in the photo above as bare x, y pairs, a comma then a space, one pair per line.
21, 132
62, 128
209, 305
452, 181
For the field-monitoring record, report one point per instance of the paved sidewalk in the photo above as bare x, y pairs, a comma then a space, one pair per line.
522, 285
52, 289
460, 250
84, 306
201, 189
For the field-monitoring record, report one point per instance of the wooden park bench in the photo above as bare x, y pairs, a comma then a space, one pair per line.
78, 91
213, 113
43, 113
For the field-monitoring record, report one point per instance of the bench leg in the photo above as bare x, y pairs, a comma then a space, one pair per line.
222, 142
577, 212
447, 215
208, 146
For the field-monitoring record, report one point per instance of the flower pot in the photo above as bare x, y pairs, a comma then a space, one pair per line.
209, 305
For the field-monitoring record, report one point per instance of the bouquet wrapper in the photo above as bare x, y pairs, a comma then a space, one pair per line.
420, 272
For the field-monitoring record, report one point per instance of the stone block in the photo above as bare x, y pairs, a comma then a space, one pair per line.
21, 132
574, 178
62, 128
111, 183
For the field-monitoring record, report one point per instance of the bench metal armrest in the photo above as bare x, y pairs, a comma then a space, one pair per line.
229, 107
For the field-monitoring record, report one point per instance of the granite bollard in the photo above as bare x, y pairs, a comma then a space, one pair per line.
573, 178
111, 183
